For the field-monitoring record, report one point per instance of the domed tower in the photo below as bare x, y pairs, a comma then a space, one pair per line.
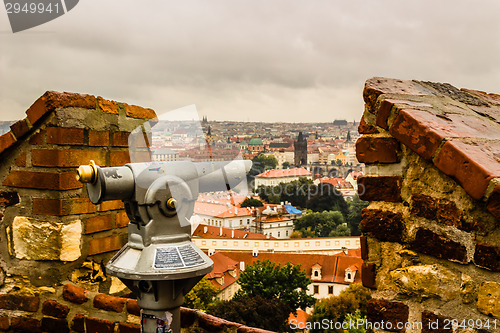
300, 151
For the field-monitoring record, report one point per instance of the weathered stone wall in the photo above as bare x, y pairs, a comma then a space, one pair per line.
431, 233
54, 241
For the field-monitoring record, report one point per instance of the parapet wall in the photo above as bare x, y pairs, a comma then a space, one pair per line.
431, 232
52, 236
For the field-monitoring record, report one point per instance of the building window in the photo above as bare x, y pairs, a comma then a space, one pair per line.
287, 233
330, 290
316, 273
316, 289
279, 233
349, 276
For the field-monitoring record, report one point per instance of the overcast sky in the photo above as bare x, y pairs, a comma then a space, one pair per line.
273, 60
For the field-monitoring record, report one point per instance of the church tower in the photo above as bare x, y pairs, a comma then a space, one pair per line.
300, 151
209, 137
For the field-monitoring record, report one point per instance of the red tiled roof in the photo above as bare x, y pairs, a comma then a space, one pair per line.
337, 182
215, 232
278, 173
222, 266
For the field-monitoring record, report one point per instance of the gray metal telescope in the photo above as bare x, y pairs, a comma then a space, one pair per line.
159, 263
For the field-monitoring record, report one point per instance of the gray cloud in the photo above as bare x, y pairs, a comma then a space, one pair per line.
249, 60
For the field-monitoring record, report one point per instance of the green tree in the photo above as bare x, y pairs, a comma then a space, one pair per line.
353, 219
322, 224
337, 308
201, 296
326, 197
261, 163
269, 280
251, 202
351, 319
286, 165
256, 311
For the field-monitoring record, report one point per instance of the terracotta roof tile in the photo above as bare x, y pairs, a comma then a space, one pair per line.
278, 173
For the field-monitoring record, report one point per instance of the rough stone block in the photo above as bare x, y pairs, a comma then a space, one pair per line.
438, 246
424, 281
380, 188
364, 128
390, 312
487, 256
109, 303
383, 225
488, 299
377, 150
55, 309
45, 240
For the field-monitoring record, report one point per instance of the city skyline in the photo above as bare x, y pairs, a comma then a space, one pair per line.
287, 61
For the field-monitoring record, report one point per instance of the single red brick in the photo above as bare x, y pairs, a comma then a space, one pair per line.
383, 225
107, 106
95, 325
1, 217
438, 246
55, 309
8, 199
377, 150
441, 210
380, 188
66, 158
135, 111
43, 180
377, 86
105, 244
98, 223
368, 273
20, 128
78, 324
128, 328
213, 324
364, 128
433, 323
74, 294
6, 141
65, 136
51, 100
98, 138
111, 205
19, 302
472, 164
379, 310
109, 303
388, 105
21, 159
120, 139
55, 325
133, 307
122, 220
24, 324
37, 138
119, 158
487, 256
4, 323
188, 317
60, 207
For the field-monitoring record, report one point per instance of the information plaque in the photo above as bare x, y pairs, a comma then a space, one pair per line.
173, 257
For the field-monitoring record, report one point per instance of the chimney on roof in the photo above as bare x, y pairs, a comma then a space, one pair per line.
236, 210
220, 232
211, 252
255, 252
242, 265
205, 230
344, 249
232, 233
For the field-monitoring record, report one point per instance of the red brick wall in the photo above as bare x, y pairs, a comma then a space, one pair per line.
430, 240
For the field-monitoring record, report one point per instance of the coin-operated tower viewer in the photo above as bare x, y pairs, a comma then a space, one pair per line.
160, 263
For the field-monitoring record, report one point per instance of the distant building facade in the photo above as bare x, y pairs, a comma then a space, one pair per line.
300, 146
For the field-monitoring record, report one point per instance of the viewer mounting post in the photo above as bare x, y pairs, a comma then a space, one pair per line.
159, 263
